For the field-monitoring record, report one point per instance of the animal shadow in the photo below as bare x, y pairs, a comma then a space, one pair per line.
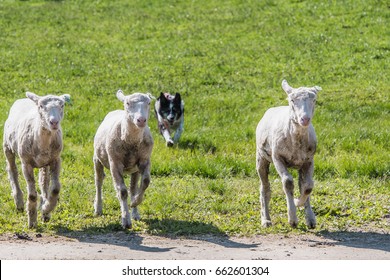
112, 234
194, 230
364, 240
197, 145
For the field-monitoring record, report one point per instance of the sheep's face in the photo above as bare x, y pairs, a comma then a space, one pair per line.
50, 108
302, 102
137, 107
302, 107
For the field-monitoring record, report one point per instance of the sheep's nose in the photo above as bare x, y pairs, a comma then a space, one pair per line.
54, 122
141, 121
305, 121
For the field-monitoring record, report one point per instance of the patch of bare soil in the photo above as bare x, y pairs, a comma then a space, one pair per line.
125, 246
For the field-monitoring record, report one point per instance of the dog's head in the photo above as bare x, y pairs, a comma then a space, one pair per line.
170, 107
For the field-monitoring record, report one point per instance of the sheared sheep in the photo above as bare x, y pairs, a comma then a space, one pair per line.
33, 132
286, 137
123, 144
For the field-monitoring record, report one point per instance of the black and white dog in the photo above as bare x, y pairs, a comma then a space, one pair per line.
169, 111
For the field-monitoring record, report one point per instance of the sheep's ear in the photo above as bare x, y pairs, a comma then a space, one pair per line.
316, 89
66, 98
33, 97
150, 96
286, 87
120, 95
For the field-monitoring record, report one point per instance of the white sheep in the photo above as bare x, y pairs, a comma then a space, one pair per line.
33, 132
123, 144
286, 137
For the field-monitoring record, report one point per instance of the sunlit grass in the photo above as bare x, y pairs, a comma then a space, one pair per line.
227, 61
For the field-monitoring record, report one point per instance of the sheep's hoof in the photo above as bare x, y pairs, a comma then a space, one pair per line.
266, 223
32, 224
311, 226
126, 223
98, 210
170, 143
311, 223
98, 213
135, 214
294, 223
46, 217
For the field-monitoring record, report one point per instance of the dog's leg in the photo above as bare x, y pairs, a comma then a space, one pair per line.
166, 134
179, 130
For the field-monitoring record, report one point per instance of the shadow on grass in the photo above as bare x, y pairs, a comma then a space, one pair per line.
196, 144
362, 240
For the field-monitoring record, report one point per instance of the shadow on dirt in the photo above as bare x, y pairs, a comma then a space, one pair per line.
113, 234
194, 230
364, 240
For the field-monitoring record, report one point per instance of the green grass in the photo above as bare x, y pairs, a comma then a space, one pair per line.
228, 62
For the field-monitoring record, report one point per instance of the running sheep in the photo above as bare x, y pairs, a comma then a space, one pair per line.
33, 132
123, 144
286, 137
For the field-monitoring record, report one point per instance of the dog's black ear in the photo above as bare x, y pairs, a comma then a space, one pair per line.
163, 100
162, 96
177, 98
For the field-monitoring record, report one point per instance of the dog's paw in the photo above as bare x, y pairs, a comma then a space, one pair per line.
170, 143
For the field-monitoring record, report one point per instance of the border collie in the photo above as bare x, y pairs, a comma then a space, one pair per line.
169, 111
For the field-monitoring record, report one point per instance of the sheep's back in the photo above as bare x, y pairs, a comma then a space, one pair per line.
20, 118
274, 119
21, 110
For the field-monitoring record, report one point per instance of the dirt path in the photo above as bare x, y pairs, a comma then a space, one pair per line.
119, 245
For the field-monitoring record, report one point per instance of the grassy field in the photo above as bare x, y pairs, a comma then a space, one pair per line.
227, 60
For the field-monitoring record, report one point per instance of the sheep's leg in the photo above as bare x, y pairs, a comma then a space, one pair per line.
309, 214
122, 193
262, 167
99, 177
54, 191
166, 134
133, 192
288, 188
44, 182
28, 173
179, 131
306, 185
144, 169
14, 180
